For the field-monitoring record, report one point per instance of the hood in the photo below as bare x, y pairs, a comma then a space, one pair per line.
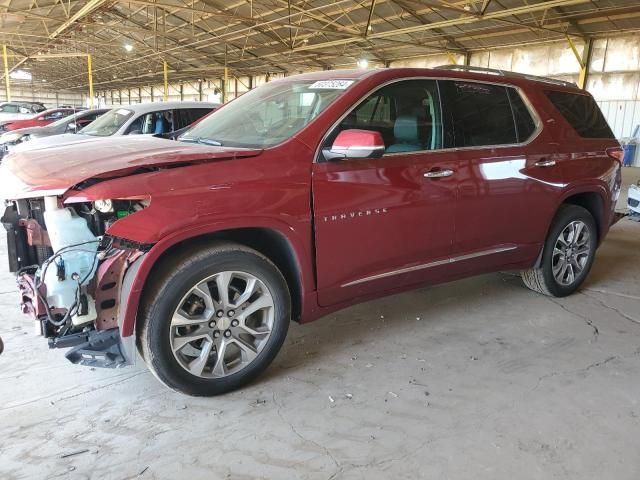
40, 131
57, 140
54, 170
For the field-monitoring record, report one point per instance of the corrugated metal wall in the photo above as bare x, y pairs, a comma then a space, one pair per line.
623, 116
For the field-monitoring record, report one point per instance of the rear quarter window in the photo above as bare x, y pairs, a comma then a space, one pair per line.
582, 113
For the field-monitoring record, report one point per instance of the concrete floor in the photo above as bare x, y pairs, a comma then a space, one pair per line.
477, 379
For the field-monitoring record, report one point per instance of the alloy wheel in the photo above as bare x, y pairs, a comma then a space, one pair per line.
221, 324
571, 252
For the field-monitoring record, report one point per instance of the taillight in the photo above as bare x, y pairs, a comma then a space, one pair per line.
617, 153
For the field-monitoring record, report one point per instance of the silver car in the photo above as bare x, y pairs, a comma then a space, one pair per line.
158, 118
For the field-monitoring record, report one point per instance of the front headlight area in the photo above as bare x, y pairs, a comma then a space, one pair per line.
101, 214
73, 289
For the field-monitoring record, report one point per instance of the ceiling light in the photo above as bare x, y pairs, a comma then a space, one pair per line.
363, 63
128, 47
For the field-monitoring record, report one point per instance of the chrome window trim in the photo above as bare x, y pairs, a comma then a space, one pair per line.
437, 263
527, 102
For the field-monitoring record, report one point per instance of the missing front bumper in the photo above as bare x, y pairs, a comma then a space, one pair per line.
103, 349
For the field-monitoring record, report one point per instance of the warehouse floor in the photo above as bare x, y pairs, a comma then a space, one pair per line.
477, 379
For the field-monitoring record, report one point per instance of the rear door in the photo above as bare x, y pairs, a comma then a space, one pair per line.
387, 222
508, 178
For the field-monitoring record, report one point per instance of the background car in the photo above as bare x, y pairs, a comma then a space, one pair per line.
70, 124
19, 110
159, 118
39, 120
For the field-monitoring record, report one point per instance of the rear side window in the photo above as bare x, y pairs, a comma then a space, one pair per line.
525, 125
186, 116
9, 108
480, 114
582, 112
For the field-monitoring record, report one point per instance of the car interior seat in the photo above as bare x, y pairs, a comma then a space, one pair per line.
407, 136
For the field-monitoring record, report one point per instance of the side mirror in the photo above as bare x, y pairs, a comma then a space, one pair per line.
355, 144
72, 127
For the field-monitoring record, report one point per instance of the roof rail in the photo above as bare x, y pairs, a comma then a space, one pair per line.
505, 73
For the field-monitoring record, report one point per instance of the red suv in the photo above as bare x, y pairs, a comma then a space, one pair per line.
301, 197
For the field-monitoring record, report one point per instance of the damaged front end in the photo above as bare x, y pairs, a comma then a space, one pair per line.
71, 274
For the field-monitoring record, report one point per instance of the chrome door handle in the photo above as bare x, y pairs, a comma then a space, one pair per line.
438, 173
545, 163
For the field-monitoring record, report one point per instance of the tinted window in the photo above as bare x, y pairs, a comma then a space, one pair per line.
525, 124
583, 113
186, 116
407, 115
480, 114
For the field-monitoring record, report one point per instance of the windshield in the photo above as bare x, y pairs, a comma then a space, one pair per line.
107, 124
268, 115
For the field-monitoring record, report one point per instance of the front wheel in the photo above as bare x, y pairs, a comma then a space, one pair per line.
568, 253
215, 320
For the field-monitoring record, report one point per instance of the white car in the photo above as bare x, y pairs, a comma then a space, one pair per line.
633, 201
157, 118
19, 110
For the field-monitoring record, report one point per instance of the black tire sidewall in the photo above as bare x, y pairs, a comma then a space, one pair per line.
156, 336
566, 215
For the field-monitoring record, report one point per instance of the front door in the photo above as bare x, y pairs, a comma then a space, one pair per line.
388, 222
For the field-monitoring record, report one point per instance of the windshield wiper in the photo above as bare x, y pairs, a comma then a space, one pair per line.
200, 140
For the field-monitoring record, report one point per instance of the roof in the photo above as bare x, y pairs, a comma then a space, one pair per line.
446, 71
153, 106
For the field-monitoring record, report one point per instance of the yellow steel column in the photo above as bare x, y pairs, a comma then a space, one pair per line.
166, 82
225, 85
90, 73
6, 72
452, 58
583, 60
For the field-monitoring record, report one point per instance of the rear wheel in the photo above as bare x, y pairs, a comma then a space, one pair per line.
568, 253
217, 319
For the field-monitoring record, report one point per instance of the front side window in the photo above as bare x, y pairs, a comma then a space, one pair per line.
480, 114
267, 115
107, 124
405, 113
152, 123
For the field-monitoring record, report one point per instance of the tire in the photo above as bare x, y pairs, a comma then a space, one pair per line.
547, 278
182, 332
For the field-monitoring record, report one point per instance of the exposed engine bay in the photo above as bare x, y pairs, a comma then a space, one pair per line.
70, 273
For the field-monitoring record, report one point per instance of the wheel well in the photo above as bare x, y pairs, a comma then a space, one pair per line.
270, 243
591, 201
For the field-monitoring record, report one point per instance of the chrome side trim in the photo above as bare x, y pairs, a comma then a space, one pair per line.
437, 263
